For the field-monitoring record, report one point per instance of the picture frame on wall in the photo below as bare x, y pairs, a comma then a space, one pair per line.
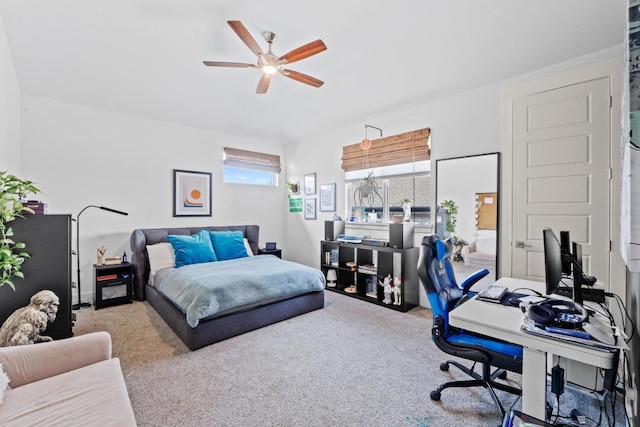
328, 197
310, 208
191, 193
310, 184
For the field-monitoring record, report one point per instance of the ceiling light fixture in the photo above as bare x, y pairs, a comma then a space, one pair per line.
270, 62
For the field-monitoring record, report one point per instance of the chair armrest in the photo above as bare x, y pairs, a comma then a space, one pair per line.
25, 364
472, 280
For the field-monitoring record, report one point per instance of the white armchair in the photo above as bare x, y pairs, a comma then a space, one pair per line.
481, 253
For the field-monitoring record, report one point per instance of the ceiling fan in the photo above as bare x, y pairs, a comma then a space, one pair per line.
268, 62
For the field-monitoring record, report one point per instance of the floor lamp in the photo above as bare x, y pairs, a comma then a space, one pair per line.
81, 304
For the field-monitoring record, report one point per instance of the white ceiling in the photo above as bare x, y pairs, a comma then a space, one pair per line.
144, 57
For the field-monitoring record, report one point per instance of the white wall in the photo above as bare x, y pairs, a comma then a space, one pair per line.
80, 156
9, 109
463, 124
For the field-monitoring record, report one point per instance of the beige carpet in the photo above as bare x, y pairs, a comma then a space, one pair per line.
139, 334
349, 364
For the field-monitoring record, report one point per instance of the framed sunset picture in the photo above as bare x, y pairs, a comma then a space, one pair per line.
191, 193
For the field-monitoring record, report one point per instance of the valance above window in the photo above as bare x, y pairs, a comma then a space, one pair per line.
406, 147
251, 160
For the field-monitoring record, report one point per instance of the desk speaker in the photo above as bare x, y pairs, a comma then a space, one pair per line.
332, 229
401, 235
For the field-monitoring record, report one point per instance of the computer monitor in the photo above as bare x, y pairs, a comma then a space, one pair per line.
552, 260
578, 276
565, 246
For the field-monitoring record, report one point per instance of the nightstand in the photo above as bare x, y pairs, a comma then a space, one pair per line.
276, 252
113, 284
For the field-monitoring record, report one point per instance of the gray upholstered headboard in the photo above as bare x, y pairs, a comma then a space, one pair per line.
142, 237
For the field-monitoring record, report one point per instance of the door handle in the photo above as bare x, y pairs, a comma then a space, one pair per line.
520, 245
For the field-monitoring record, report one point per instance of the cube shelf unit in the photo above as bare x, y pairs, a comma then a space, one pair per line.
373, 264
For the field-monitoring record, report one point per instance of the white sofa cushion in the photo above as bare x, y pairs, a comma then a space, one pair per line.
92, 395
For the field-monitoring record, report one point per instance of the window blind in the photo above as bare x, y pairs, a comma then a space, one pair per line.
251, 160
406, 147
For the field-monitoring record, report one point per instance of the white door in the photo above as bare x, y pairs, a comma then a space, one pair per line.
561, 174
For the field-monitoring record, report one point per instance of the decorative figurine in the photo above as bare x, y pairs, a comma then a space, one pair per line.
388, 291
101, 252
25, 325
398, 293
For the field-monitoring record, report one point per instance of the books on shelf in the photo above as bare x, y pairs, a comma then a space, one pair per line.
37, 206
113, 260
106, 277
367, 268
492, 293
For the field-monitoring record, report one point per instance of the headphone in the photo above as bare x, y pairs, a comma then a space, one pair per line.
557, 312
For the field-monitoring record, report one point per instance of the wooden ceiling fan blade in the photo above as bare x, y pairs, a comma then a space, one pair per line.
303, 78
263, 84
228, 64
245, 36
305, 51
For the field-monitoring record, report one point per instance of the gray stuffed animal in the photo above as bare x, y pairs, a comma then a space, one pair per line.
25, 325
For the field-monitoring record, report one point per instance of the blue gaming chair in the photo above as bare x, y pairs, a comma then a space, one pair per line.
437, 278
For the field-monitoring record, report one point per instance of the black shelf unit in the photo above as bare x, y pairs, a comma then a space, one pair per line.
48, 242
388, 261
113, 284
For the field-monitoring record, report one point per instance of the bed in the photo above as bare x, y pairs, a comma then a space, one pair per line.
237, 313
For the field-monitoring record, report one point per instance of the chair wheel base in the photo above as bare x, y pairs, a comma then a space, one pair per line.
435, 395
444, 366
503, 375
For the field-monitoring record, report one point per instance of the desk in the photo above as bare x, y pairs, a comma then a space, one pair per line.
501, 322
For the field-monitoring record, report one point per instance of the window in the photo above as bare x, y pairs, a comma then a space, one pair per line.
250, 167
395, 185
402, 171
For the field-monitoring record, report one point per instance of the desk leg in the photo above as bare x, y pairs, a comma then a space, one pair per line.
534, 382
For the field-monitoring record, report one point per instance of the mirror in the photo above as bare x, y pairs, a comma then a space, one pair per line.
467, 202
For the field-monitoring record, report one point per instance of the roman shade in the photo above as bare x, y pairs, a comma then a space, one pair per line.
251, 160
406, 147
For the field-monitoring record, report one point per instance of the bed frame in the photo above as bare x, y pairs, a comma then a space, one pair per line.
215, 328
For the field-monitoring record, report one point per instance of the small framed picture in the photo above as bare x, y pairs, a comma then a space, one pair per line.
309, 208
310, 184
191, 193
328, 197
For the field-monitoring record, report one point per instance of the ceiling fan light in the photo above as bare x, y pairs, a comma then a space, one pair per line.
269, 69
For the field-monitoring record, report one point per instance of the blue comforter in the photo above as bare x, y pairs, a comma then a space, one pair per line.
202, 290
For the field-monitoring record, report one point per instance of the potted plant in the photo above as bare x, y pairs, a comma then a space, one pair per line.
405, 204
452, 208
12, 191
293, 187
368, 191
406, 207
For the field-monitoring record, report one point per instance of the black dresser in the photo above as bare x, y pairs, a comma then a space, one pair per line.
48, 241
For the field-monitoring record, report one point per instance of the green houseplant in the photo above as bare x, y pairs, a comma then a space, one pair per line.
12, 190
452, 208
293, 187
368, 191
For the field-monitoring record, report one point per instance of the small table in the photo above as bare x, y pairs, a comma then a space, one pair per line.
276, 252
113, 284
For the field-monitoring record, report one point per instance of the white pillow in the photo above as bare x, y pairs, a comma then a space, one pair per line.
4, 382
247, 246
161, 256
486, 245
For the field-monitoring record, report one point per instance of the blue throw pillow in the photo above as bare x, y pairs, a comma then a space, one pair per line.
192, 249
228, 244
